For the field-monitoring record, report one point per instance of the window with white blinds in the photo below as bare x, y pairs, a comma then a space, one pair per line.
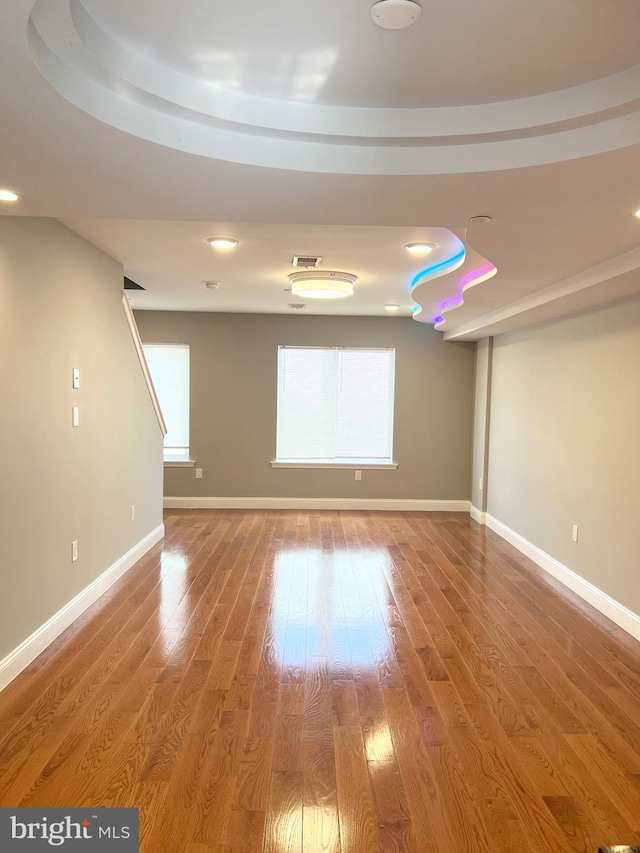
335, 405
169, 369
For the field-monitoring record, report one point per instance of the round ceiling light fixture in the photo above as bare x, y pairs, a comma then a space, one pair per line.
395, 14
222, 242
212, 285
9, 195
322, 284
420, 248
479, 220
636, 213
391, 307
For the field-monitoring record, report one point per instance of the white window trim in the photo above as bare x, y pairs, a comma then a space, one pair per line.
350, 466
167, 463
354, 465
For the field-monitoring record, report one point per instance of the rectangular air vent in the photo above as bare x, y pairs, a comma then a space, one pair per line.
306, 261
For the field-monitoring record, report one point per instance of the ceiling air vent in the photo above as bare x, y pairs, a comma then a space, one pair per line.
305, 261
297, 306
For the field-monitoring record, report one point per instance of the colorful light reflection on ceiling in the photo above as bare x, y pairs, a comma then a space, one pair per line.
439, 288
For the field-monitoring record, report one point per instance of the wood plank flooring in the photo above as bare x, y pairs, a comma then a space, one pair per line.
335, 682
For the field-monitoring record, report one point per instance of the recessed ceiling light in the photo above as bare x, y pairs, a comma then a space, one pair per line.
322, 284
420, 248
212, 285
637, 213
9, 195
479, 220
222, 242
391, 307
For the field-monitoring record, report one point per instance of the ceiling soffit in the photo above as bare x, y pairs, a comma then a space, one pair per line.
132, 92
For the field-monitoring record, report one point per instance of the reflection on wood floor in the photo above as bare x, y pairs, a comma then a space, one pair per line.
335, 681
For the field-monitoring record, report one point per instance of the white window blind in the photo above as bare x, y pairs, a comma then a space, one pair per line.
335, 405
169, 369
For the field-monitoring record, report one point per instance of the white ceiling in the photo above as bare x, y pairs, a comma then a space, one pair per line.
173, 260
327, 51
149, 126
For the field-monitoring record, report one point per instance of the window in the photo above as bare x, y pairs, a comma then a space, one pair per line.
335, 406
169, 369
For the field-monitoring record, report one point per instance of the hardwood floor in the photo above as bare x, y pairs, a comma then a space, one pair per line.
335, 681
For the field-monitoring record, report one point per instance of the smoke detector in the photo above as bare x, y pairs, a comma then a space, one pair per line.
212, 285
395, 14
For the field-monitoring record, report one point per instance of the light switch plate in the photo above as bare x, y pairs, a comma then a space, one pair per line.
76, 416
76, 377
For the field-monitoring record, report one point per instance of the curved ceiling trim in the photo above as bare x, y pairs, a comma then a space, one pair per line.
439, 288
142, 97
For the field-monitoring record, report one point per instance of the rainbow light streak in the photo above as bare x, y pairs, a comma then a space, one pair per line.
439, 267
466, 281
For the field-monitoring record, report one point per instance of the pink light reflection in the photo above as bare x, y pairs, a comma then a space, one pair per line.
466, 281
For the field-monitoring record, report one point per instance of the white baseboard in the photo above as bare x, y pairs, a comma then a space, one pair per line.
477, 515
13, 664
317, 503
618, 613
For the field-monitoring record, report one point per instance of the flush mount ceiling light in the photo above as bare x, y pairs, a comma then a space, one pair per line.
480, 220
222, 242
636, 213
322, 284
9, 195
395, 14
391, 307
212, 285
420, 248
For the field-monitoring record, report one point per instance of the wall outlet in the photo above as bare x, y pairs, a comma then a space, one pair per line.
76, 377
74, 550
198, 473
358, 475
75, 419
575, 532
132, 514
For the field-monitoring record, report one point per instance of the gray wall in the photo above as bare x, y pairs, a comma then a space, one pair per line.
481, 421
565, 443
233, 405
60, 308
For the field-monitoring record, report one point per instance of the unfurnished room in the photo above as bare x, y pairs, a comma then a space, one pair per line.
319, 435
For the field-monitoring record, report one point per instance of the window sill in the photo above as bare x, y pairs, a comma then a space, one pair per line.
187, 463
351, 466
